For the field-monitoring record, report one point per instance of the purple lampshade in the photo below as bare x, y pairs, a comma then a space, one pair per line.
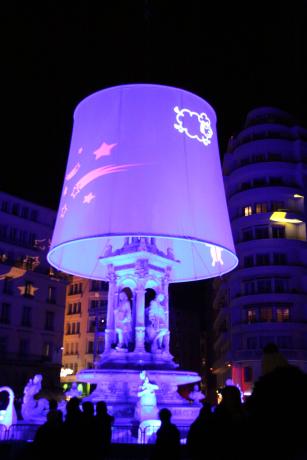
144, 162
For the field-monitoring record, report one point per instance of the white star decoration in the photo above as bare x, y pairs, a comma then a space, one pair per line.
88, 198
103, 150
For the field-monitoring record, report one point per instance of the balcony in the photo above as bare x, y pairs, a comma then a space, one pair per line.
289, 354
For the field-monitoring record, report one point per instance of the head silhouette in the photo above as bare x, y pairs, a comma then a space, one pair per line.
165, 415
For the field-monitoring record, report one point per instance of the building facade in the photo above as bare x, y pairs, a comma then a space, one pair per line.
84, 326
32, 296
265, 298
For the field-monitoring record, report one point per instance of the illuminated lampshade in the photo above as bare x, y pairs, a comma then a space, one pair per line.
144, 162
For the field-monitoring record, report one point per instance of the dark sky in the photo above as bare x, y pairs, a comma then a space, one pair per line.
236, 55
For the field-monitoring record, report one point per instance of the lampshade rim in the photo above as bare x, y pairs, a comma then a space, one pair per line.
109, 235
149, 85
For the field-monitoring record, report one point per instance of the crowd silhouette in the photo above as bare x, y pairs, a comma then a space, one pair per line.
269, 425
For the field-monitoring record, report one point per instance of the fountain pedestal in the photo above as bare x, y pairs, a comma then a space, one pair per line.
139, 267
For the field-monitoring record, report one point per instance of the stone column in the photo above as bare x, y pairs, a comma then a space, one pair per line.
164, 285
140, 316
112, 297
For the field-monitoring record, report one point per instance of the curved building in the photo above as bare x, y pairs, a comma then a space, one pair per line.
265, 298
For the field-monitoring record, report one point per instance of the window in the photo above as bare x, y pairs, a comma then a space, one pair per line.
15, 209
5, 313
274, 157
26, 318
5, 206
75, 289
3, 345
262, 259
251, 343
3, 231
91, 326
259, 182
261, 207
47, 350
34, 215
77, 328
95, 285
248, 374
277, 205
247, 234
284, 341
68, 329
90, 346
251, 315
279, 258
259, 157
261, 232
248, 261
69, 309
245, 185
266, 314
28, 289
249, 287
25, 212
49, 321
76, 308
278, 231
275, 181
264, 285
281, 285
265, 340
24, 347
247, 211
282, 314
7, 285
51, 294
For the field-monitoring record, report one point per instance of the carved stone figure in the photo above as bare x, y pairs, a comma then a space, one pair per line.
8, 415
73, 392
196, 395
34, 410
122, 321
157, 324
146, 408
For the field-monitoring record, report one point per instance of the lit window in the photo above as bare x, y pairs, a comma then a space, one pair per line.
261, 207
247, 211
251, 315
266, 314
282, 314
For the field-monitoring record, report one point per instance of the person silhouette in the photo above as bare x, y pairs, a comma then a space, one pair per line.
168, 438
103, 429
199, 433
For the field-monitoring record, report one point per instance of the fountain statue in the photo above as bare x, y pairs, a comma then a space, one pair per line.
73, 392
196, 395
8, 416
34, 410
146, 407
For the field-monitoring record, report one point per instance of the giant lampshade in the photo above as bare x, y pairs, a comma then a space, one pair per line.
144, 162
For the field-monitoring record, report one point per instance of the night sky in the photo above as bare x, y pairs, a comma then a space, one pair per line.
236, 55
